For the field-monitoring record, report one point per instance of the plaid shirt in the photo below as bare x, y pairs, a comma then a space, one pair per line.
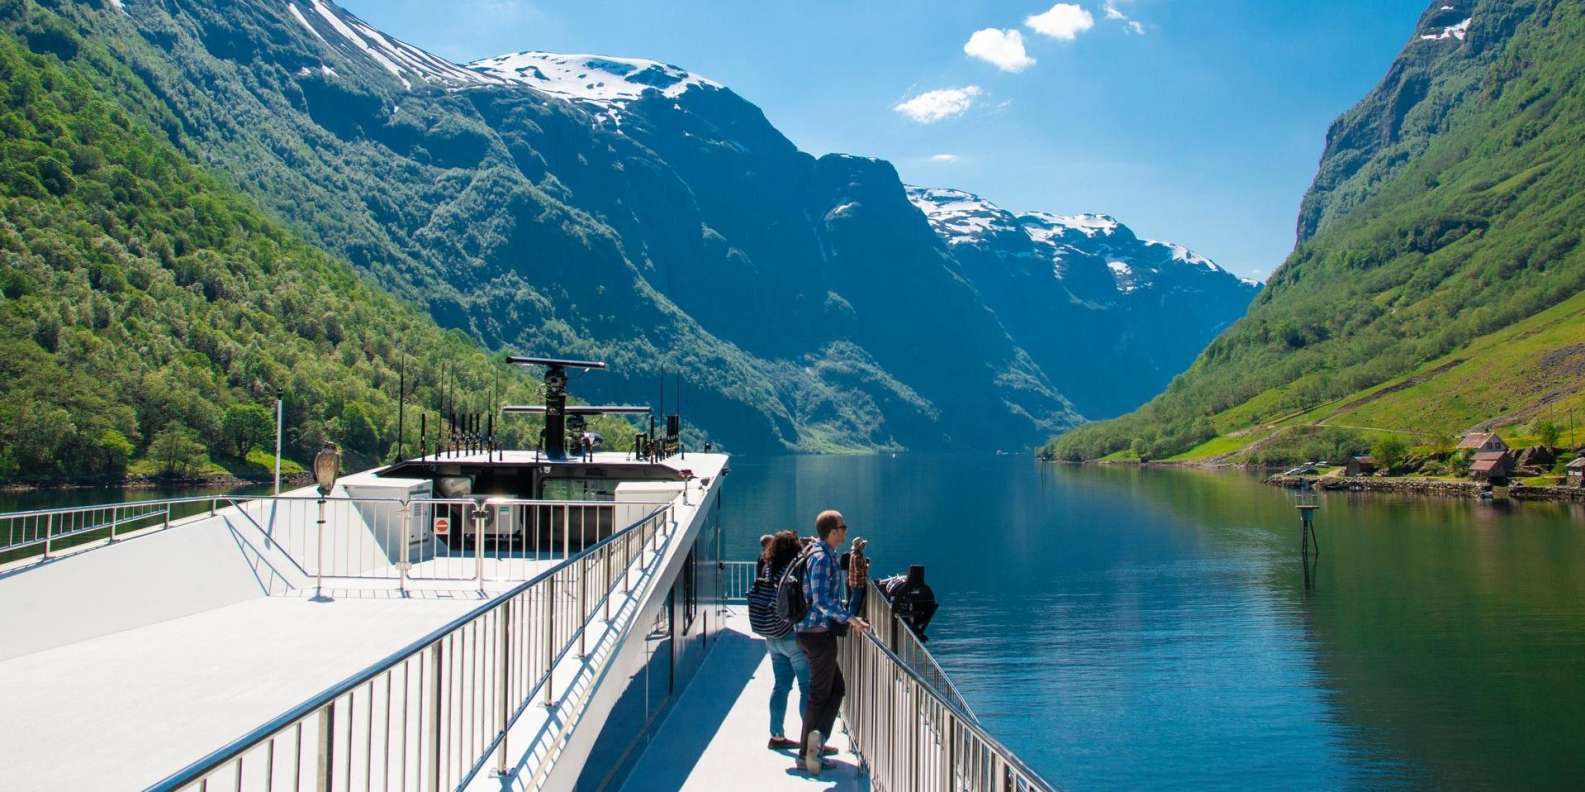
820, 591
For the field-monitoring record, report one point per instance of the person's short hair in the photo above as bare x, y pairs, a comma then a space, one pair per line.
828, 521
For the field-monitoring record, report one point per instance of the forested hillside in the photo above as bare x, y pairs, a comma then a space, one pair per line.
631, 210
149, 314
1449, 207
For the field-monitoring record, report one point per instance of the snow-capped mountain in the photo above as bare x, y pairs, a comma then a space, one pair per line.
1143, 308
1067, 241
597, 79
631, 209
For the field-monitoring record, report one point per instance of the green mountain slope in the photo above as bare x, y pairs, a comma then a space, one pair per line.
139, 298
1448, 207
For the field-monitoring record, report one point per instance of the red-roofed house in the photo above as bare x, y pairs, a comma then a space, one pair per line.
1482, 441
1490, 465
1576, 472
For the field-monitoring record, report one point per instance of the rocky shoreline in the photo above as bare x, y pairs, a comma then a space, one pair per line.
1428, 486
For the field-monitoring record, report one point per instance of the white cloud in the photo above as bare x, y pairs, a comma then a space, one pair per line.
1002, 48
932, 106
943, 158
1130, 24
1063, 21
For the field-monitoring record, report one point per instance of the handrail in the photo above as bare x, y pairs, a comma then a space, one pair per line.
940, 748
323, 704
903, 641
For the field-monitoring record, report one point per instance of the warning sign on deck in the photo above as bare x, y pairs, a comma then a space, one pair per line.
442, 526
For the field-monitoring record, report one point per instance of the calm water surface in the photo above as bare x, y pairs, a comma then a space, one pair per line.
1120, 628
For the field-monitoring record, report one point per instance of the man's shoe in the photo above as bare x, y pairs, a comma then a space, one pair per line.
781, 744
828, 751
812, 752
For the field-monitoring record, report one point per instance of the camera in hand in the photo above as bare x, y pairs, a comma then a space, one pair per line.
912, 600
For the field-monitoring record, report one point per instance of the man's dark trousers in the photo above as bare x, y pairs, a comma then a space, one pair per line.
825, 684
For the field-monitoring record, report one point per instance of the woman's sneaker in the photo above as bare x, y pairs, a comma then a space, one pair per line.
812, 761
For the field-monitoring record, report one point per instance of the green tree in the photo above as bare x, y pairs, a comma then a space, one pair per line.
247, 426
1548, 432
177, 450
1390, 451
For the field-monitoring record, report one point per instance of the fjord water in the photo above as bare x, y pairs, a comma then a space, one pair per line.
1127, 628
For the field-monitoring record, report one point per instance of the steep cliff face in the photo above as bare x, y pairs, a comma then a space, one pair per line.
597, 206
1444, 225
1446, 64
1109, 317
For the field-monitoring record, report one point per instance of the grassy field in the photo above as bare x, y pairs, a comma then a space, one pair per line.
1508, 381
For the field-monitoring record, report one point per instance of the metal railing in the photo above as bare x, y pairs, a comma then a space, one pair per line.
428, 538
902, 641
44, 531
436, 713
347, 539
911, 738
737, 577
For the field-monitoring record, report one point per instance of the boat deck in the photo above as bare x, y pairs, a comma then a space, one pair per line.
714, 737
125, 709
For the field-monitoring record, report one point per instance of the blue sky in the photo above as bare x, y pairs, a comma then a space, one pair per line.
1194, 121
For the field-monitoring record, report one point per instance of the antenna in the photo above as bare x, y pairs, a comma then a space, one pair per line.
555, 408
401, 404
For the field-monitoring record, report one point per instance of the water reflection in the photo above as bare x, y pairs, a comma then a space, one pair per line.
1122, 628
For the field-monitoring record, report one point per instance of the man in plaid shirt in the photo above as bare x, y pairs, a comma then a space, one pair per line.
816, 639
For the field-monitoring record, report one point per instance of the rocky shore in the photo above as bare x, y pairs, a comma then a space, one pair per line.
1428, 486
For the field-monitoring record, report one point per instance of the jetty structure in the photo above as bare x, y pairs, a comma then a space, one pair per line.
473, 617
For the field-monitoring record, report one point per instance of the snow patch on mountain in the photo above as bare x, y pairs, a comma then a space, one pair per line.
403, 61
960, 217
963, 218
599, 79
1458, 31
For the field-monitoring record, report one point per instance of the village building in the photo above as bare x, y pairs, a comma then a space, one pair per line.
1536, 457
1489, 465
1480, 442
1576, 472
1360, 466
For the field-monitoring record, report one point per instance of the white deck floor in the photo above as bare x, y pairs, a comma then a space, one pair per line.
124, 710
714, 737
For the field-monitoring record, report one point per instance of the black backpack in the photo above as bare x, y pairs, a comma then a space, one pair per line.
790, 605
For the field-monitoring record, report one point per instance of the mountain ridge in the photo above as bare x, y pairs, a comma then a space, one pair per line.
1445, 218
667, 233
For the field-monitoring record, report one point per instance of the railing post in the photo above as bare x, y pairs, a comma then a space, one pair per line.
49, 528
319, 565
434, 714
407, 528
583, 604
115, 517
325, 777
167, 515
952, 747
478, 543
502, 677
607, 589
550, 639
566, 531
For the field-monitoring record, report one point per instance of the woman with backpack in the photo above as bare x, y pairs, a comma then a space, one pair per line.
787, 661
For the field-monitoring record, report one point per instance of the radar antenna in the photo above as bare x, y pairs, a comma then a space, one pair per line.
555, 408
